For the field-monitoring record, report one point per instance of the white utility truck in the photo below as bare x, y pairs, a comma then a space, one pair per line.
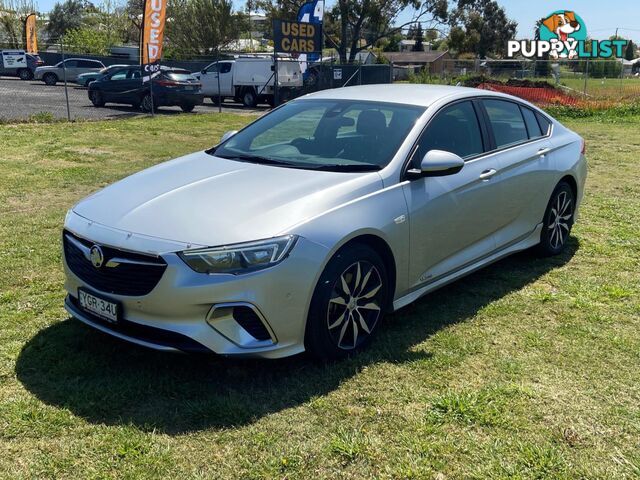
249, 80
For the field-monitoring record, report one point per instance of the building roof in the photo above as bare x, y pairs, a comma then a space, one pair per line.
414, 57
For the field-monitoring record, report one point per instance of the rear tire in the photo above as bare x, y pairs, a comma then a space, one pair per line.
558, 220
50, 79
214, 100
249, 98
187, 108
347, 304
25, 74
96, 98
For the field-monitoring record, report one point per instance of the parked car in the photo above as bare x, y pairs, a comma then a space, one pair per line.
73, 66
33, 61
302, 230
173, 87
249, 80
84, 79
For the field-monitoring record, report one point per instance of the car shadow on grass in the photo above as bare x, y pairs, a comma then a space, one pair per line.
105, 380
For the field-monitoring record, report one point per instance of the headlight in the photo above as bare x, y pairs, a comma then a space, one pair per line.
239, 258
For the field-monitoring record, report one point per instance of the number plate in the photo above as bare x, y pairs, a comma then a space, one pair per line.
106, 309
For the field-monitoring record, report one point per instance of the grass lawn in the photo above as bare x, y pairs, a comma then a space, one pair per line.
604, 88
527, 369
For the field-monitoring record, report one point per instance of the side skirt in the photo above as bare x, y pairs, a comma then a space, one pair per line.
529, 241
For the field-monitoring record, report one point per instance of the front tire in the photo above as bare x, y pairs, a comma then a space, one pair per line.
148, 104
187, 107
558, 220
348, 303
96, 98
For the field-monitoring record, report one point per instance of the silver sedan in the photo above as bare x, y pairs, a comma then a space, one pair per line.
301, 230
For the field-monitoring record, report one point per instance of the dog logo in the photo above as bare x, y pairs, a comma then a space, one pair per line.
566, 28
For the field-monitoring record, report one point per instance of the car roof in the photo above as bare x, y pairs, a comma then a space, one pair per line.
405, 93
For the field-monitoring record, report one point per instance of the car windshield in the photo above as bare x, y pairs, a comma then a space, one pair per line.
334, 135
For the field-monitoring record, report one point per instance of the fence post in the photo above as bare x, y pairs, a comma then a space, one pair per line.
150, 82
586, 76
276, 92
64, 75
219, 91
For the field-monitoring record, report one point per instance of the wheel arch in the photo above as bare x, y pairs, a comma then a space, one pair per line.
382, 248
572, 183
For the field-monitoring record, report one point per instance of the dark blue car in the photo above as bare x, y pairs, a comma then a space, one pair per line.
173, 87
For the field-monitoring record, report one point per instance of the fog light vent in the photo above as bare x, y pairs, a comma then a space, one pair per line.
249, 320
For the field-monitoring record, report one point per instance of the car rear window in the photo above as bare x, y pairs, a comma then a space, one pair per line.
180, 77
507, 122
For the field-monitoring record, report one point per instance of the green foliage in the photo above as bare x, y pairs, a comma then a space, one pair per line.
12, 13
202, 26
610, 113
630, 51
41, 117
87, 40
480, 27
64, 17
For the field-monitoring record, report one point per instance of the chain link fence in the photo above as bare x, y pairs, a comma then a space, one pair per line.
62, 93
569, 82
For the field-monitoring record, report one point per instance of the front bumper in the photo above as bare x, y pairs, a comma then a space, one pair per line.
173, 316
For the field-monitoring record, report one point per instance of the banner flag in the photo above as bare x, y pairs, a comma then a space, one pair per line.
31, 34
154, 16
310, 12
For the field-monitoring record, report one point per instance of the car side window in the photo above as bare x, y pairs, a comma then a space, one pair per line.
506, 121
455, 129
70, 64
545, 125
212, 68
119, 75
134, 73
533, 128
225, 67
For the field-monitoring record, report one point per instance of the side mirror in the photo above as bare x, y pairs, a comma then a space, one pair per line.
438, 163
228, 135
203, 71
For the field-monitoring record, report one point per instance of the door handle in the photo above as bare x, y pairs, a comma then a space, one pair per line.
543, 151
487, 174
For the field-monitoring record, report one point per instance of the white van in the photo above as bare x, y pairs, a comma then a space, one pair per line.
249, 79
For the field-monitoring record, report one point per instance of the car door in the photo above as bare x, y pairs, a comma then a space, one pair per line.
226, 78
452, 218
70, 70
114, 86
209, 79
526, 173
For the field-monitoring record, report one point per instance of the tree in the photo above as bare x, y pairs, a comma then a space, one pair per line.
87, 40
66, 16
12, 16
376, 19
202, 26
630, 51
419, 38
480, 27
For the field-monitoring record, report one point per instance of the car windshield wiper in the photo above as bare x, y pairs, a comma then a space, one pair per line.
257, 159
360, 167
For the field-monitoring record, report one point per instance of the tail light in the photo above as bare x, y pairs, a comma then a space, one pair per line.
583, 147
167, 83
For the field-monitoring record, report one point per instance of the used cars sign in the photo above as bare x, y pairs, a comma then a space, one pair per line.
297, 37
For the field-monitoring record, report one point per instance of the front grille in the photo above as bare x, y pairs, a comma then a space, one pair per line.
156, 336
249, 320
135, 274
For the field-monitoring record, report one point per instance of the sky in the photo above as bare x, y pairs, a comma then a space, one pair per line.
602, 17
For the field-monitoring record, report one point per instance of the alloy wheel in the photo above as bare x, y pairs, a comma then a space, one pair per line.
355, 305
559, 220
